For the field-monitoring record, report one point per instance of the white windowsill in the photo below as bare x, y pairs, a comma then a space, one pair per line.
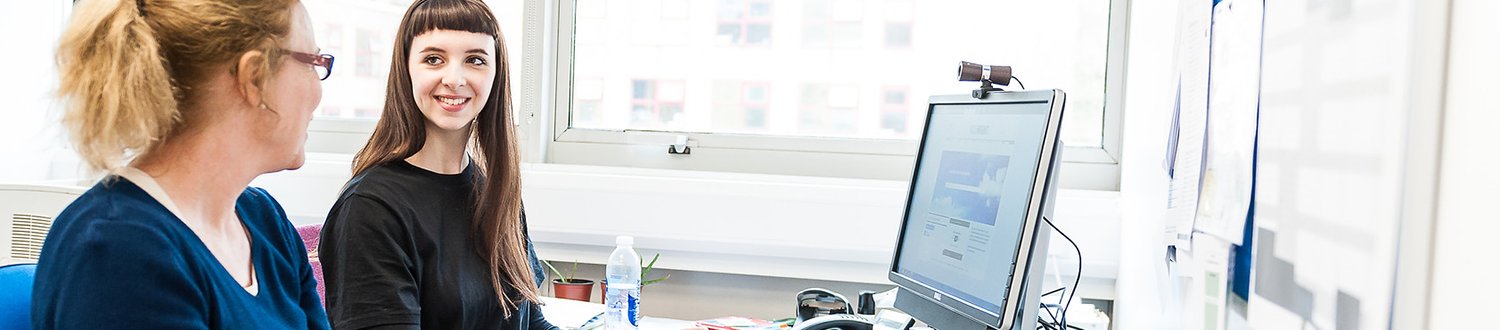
751, 224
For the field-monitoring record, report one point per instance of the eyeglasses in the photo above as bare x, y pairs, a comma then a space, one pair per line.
323, 63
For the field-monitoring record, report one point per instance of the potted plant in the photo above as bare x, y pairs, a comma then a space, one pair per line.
567, 286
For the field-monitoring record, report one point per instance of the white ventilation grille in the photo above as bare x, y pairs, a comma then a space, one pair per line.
27, 233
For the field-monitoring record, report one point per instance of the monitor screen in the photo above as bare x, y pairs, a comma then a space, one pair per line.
972, 185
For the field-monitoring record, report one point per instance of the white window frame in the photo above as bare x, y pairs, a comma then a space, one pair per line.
1086, 167
543, 98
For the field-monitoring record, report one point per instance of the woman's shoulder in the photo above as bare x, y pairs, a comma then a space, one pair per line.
379, 181
112, 202
258, 204
393, 184
381, 189
115, 217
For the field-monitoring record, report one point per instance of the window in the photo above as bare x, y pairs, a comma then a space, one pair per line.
893, 109
656, 104
828, 109
898, 27
743, 22
832, 85
833, 23
740, 106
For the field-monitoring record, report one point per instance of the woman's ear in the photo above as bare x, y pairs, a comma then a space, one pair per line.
249, 73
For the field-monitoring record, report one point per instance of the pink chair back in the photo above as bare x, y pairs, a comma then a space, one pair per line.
310, 234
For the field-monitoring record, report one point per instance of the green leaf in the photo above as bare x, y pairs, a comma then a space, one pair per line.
652, 281
565, 278
645, 270
555, 272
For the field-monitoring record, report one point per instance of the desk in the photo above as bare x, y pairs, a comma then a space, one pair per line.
569, 314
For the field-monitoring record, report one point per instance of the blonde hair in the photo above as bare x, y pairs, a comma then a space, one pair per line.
128, 66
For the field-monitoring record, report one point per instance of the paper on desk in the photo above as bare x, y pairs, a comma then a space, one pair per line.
1192, 115
569, 314
1233, 108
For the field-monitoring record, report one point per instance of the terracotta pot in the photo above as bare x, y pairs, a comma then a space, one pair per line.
575, 289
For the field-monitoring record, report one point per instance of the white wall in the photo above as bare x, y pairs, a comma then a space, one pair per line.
1149, 94
1463, 273
28, 117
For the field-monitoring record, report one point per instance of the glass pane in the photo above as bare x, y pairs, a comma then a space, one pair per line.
360, 33
837, 68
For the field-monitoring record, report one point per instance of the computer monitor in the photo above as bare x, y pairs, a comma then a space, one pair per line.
972, 243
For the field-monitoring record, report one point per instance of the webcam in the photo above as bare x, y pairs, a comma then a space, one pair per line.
986, 75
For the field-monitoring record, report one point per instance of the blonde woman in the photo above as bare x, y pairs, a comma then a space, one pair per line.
183, 102
429, 233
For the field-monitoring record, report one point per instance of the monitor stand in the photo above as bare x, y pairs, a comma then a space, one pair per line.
912, 304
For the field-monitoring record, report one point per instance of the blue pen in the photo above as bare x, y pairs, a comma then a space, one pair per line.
593, 322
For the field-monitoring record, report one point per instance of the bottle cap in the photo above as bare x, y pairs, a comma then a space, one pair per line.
624, 240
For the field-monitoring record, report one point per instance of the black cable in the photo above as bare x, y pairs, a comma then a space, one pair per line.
1058, 305
1018, 82
1068, 305
1054, 317
1045, 305
1042, 323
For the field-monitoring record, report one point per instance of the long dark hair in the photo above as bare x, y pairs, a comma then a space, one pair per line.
401, 132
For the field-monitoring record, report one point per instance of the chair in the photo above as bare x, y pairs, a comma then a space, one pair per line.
26, 213
15, 295
309, 235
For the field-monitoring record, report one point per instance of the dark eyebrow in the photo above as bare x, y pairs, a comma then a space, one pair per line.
439, 50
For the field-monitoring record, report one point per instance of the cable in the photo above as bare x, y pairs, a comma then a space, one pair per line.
1042, 323
1052, 292
1023, 86
1068, 305
1045, 306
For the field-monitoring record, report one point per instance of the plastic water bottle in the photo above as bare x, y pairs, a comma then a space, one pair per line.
623, 286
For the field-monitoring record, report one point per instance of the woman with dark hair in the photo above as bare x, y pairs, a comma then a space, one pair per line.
429, 233
183, 103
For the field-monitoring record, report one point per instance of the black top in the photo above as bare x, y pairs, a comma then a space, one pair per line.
398, 252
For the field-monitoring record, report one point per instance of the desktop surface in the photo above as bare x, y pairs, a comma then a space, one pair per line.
571, 314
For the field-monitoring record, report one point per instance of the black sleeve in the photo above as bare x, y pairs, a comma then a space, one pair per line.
536, 264
538, 321
369, 267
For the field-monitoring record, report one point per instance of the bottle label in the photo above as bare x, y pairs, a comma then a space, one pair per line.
634, 305
622, 308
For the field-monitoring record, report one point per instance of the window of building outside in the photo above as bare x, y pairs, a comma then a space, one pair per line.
743, 22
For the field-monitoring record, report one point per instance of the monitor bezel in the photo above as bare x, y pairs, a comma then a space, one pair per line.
1034, 210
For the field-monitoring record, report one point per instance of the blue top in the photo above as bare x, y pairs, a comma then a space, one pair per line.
116, 258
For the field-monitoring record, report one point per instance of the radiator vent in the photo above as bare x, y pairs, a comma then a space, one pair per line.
27, 233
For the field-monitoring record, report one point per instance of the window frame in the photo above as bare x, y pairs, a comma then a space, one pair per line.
1086, 167
544, 93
